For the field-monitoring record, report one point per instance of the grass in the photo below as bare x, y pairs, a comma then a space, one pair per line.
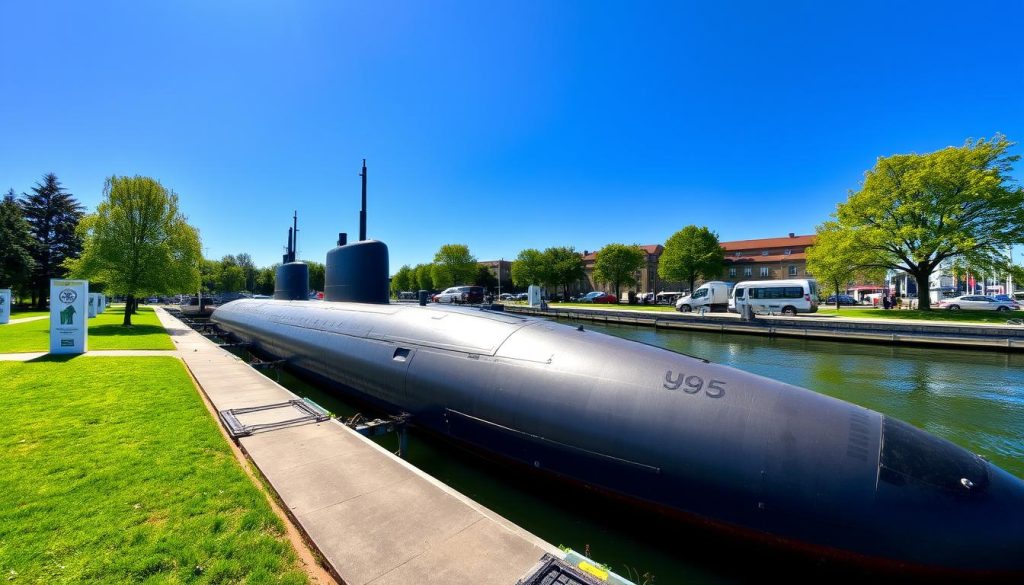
113, 471
105, 332
937, 315
25, 314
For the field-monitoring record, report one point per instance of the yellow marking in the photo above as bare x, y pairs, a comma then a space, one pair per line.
595, 571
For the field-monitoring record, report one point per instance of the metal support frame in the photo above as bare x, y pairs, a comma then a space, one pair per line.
310, 412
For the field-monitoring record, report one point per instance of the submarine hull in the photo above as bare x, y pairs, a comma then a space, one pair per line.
668, 430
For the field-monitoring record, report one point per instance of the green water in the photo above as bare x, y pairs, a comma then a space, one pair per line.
973, 398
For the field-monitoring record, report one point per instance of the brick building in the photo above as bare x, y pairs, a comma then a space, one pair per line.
762, 259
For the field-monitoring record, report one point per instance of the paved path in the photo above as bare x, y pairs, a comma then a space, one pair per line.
27, 319
375, 518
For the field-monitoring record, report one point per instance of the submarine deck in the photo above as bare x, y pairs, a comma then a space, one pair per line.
373, 517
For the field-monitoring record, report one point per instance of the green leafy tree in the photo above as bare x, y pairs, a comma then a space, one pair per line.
248, 269
209, 273
265, 278
453, 264
691, 253
231, 277
836, 260
424, 278
617, 264
53, 215
402, 280
317, 275
15, 245
915, 211
485, 278
529, 267
564, 266
138, 242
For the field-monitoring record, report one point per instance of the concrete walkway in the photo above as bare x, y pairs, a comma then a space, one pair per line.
375, 518
27, 319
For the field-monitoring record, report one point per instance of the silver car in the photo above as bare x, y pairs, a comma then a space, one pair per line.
975, 303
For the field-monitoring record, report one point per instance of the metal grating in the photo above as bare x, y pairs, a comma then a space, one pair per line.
306, 410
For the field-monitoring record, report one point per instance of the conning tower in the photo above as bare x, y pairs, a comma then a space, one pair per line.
291, 282
357, 272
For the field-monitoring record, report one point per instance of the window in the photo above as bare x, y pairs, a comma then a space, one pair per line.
764, 252
732, 272
700, 293
787, 251
746, 271
792, 270
764, 271
738, 254
776, 292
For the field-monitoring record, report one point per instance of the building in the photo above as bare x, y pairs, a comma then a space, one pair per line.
502, 270
763, 259
767, 259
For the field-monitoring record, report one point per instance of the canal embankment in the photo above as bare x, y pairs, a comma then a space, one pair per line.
891, 332
373, 517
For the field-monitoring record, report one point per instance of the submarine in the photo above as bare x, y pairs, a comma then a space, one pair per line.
697, 440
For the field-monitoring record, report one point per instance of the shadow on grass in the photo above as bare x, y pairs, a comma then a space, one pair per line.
54, 358
119, 330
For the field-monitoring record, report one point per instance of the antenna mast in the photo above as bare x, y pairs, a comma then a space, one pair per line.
362, 213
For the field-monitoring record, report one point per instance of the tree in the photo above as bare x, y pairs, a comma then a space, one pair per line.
424, 280
529, 267
15, 245
231, 277
209, 275
265, 278
564, 267
691, 253
248, 269
915, 211
317, 275
53, 215
402, 280
835, 260
618, 264
138, 242
485, 278
453, 264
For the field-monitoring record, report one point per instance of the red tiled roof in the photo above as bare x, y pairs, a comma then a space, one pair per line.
769, 243
759, 259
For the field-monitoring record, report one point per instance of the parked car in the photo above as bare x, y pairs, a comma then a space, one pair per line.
975, 303
1008, 299
843, 300
597, 297
461, 294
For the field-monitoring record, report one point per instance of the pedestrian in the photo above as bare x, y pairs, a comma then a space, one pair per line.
885, 302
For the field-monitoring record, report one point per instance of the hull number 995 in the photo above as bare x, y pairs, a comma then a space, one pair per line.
693, 384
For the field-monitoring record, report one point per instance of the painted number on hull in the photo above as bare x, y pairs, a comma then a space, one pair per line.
693, 384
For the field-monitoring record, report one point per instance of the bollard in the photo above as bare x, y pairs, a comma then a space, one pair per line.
423, 298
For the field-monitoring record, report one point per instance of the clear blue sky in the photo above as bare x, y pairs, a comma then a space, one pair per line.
501, 125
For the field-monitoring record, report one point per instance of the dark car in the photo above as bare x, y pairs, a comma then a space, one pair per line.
843, 300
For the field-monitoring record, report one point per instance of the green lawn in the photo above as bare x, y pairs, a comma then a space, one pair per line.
937, 315
105, 332
113, 471
26, 314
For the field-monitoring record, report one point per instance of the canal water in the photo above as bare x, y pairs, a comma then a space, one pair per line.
973, 398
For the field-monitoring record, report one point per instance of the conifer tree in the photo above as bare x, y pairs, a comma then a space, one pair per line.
52, 214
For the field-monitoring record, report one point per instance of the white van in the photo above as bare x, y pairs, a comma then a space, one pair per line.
787, 297
714, 295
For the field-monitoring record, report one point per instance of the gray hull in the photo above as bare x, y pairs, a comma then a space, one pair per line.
667, 430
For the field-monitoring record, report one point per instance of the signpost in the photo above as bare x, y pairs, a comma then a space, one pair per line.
69, 312
5, 305
94, 302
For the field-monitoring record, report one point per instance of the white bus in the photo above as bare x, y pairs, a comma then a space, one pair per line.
787, 297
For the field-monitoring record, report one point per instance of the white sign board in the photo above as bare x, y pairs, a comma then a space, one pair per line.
5, 305
103, 303
69, 312
533, 295
94, 302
